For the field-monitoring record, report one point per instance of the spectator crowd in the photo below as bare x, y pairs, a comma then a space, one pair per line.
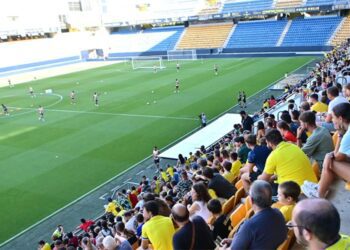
262, 186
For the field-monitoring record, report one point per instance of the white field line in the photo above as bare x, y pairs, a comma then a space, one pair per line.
126, 170
109, 114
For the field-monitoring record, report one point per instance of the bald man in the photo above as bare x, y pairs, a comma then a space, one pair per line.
193, 234
316, 224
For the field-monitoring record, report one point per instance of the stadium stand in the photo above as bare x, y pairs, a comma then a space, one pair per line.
246, 6
288, 4
343, 33
208, 36
324, 2
314, 31
148, 40
211, 7
256, 34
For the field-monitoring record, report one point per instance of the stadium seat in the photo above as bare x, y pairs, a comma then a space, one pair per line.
324, 2
239, 184
256, 34
246, 5
240, 193
208, 36
315, 31
335, 138
286, 244
288, 3
248, 203
229, 205
316, 169
343, 33
238, 215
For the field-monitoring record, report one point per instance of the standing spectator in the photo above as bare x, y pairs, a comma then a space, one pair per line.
319, 143
266, 229
286, 162
140, 222
155, 154
219, 184
200, 199
287, 134
247, 121
221, 225
242, 149
261, 131
158, 230
272, 101
132, 198
316, 225
192, 234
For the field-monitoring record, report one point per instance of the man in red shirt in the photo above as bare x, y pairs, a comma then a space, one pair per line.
85, 224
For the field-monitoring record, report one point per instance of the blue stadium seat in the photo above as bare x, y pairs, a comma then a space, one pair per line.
246, 5
311, 31
324, 2
256, 34
170, 42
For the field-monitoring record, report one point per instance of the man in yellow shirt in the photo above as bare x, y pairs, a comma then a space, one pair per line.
287, 162
158, 230
318, 107
316, 224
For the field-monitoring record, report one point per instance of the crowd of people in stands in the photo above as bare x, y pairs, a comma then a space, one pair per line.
258, 188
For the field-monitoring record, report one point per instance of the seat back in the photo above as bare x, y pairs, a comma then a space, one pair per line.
237, 215
228, 205
240, 193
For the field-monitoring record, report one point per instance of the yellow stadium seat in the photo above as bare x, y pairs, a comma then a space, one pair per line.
316, 169
228, 205
240, 193
286, 244
238, 215
239, 184
249, 213
248, 203
335, 138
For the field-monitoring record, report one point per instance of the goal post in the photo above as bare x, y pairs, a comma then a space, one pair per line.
174, 55
146, 62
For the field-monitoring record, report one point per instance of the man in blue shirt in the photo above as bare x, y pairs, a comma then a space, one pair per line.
255, 163
266, 229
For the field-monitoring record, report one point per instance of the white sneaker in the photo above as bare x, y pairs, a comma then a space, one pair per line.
310, 189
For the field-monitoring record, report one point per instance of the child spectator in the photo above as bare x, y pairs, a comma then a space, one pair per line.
221, 225
140, 222
236, 164
288, 193
227, 174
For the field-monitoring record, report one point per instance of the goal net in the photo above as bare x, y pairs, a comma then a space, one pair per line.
147, 63
174, 55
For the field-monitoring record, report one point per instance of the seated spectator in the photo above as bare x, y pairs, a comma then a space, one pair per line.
86, 244
336, 164
155, 185
304, 106
287, 162
266, 229
288, 193
236, 164
111, 207
227, 174
260, 131
125, 233
247, 121
105, 229
192, 234
316, 225
130, 221
272, 101
116, 243
158, 230
333, 95
58, 233
72, 239
140, 222
256, 162
132, 197
184, 185
319, 143
44, 245
241, 148
85, 224
163, 208
170, 201
221, 226
219, 184
200, 198
286, 132
317, 106
164, 175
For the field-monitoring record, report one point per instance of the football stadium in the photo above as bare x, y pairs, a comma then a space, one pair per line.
175, 124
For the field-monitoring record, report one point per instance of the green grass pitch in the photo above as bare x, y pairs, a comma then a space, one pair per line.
45, 165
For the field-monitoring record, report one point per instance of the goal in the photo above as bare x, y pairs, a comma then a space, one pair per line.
146, 62
174, 55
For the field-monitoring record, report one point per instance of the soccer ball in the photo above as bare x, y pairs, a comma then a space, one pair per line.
147, 103
77, 82
154, 101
